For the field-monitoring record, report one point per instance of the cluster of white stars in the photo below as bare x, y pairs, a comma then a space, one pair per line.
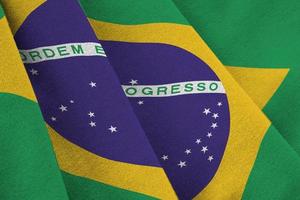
135, 82
62, 108
92, 115
92, 123
181, 163
214, 125
204, 149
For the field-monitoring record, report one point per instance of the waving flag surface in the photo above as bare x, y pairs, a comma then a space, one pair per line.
164, 47
93, 129
186, 130
263, 36
28, 167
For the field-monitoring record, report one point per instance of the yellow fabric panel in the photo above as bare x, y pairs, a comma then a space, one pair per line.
144, 179
248, 124
13, 77
259, 83
18, 10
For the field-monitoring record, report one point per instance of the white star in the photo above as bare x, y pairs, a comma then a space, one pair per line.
206, 111
198, 141
140, 102
92, 84
53, 118
209, 134
92, 124
215, 115
91, 114
71, 101
34, 72
219, 104
165, 157
63, 108
188, 151
182, 164
133, 82
112, 129
214, 125
204, 149
210, 158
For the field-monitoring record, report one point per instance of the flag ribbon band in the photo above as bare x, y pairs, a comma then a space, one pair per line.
61, 51
174, 89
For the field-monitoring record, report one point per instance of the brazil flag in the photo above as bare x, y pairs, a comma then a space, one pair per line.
143, 99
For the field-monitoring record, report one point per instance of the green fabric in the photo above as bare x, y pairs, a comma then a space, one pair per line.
276, 172
85, 189
1, 12
260, 33
28, 169
143, 11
